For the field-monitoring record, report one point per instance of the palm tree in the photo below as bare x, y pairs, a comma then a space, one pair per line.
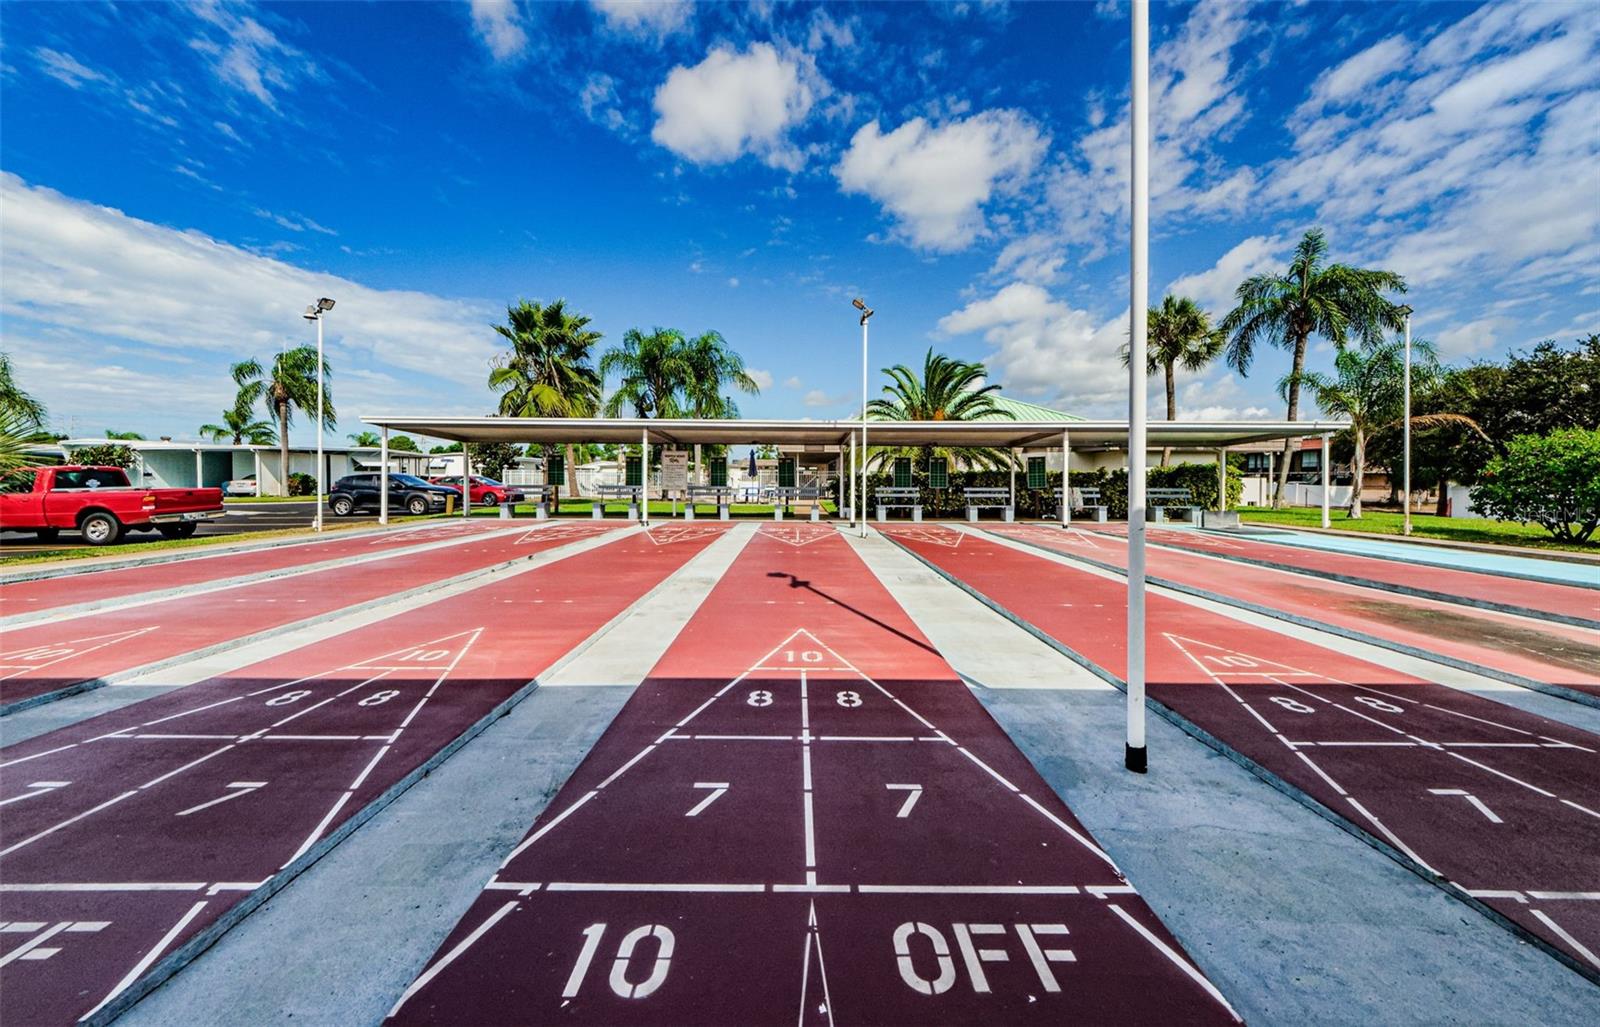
548, 372
125, 436
1367, 387
1178, 333
364, 438
653, 370
291, 383
948, 390
1336, 301
712, 365
240, 424
24, 413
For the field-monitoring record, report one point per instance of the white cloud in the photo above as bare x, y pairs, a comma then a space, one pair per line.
92, 282
1355, 74
817, 398
763, 379
1047, 351
792, 382
498, 24
249, 57
645, 17
733, 283
600, 102
935, 181
1471, 339
735, 103
1214, 288
65, 68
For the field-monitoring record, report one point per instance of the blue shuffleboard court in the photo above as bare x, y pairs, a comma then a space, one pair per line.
1564, 572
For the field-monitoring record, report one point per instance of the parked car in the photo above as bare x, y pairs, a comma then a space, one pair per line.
407, 493
100, 503
485, 491
246, 486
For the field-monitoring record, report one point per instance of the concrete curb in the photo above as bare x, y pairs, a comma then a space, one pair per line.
1267, 776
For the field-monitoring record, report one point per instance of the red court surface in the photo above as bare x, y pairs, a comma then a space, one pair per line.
1518, 649
205, 567
130, 836
1504, 804
1570, 603
57, 658
803, 816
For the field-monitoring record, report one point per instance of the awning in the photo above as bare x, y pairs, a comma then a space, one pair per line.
1085, 435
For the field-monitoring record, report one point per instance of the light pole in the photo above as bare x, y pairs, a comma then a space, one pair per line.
314, 313
1135, 756
1405, 430
865, 315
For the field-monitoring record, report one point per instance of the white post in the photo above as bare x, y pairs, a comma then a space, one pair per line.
1135, 757
1012, 452
199, 470
466, 479
1326, 448
1405, 487
1222, 480
863, 427
1066, 484
644, 476
321, 387
383, 475
852, 475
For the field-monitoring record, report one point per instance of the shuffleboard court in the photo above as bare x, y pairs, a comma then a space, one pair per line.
55, 659
1556, 658
1501, 804
1572, 604
218, 794
49, 593
803, 816
1501, 560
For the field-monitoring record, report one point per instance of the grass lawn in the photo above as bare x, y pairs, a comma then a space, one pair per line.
159, 543
1451, 529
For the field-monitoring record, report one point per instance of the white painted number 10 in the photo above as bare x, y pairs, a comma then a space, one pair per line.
805, 655
620, 981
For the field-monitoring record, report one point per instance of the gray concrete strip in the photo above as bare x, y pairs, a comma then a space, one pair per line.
1295, 920
126, 602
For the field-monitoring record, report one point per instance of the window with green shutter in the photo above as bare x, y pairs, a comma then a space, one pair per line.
902, 472
1036, 475
634, 475
938, 473
786, 467
719, 471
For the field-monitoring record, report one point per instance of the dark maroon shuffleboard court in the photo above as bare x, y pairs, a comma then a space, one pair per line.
803, 816
203, 568
216, 794
57, 658
1513, 648
1536, 598
1503, 804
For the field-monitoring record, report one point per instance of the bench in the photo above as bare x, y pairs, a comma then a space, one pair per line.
898, 499
628, 492
1162, 500
999, 499
721, 495
1086, 499
542, 496
784, 495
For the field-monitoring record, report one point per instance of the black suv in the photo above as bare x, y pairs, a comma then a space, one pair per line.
407, 492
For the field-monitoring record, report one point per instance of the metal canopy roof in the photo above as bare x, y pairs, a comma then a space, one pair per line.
1085, 435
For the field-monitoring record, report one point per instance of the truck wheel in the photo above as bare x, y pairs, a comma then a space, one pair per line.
342, 506
178, 530
48, 534
416, 505
100, 529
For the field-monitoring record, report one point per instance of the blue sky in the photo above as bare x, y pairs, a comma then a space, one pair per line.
177, 182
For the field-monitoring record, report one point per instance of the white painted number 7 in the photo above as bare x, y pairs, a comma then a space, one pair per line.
911, 799
717, 788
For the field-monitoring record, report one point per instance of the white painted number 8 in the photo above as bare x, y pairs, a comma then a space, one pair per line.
288, 697
759, 697
1378, 704
849, 700
379, 698
1292, 705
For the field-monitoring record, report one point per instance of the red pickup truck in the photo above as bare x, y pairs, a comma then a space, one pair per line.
100, 503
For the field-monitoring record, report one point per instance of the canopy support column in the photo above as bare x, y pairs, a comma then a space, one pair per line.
644, 477
1013, 462
1222, 480
1326, 447
1066, 483
466, 479
383, 474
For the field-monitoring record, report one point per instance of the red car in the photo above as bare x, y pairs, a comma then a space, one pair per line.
485, 491
100, 503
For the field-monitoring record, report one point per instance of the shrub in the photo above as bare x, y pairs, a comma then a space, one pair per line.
302, 484
104, 456
1199, 479
1551, 480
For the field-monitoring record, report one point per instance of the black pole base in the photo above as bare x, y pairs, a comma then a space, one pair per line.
1136, 760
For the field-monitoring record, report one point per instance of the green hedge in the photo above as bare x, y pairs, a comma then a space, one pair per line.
1199, 479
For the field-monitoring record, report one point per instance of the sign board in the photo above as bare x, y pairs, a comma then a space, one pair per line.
634, 477
719, 471
555, 470
902, 472
938, 472
674, 470
1036, 475
786, 467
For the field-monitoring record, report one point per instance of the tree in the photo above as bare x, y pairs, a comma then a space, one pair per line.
124, 436
1551, 480
365, 438
549, 371
713, 366
24, 413
1178, 333
403, 444
1335, 301
947, 390
492, 458
104, 456
240, 425
290, 383
653, 369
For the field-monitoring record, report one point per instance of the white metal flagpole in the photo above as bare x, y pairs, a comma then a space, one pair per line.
1406, 484
864, 316
321, 388
1135, 757
1327, 446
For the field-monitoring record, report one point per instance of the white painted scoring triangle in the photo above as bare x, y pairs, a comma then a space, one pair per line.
45, 654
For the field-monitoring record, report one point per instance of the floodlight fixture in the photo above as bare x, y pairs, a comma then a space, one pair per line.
324, 304
1404, 310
